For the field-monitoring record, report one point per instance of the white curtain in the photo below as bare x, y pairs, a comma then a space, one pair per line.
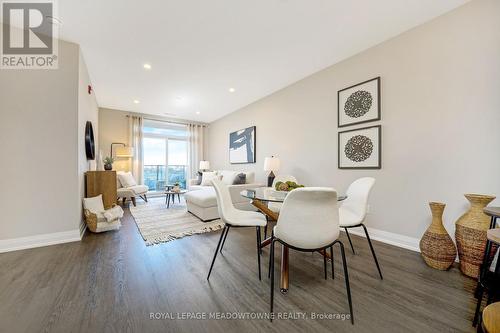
195, 148
135, 140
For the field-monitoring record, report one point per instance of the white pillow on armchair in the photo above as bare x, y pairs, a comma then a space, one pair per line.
126, 179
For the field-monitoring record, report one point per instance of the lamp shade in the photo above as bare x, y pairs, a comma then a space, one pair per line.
204, 165
125, 152
271, 163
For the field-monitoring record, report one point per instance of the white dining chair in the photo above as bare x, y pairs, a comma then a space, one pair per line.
308, 222
276, 206
233, 217
352, 212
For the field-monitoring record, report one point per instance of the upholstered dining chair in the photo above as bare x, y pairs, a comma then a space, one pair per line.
353, 211
276, 206
233, 217
308, 222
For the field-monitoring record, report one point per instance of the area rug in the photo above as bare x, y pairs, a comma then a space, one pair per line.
159, 224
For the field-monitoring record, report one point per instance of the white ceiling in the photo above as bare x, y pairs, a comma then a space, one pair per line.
199, 49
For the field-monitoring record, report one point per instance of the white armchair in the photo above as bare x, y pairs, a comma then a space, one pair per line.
129, 189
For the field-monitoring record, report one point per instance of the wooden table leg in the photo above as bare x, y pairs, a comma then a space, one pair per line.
263, 208
284, 269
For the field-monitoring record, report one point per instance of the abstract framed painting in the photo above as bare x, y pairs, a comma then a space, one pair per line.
242, 146
360, 148
359, 103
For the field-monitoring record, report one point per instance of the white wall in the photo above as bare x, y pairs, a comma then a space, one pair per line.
440, 120
42, 124
87, 111
114, 128
38, 144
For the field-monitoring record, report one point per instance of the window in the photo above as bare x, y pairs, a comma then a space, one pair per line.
165, 157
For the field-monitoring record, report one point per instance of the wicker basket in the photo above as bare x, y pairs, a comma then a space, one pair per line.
470, 234
436, 246
91, 219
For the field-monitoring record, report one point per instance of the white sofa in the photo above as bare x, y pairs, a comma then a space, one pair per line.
201, 201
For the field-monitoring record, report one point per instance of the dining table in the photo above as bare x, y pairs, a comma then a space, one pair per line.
260, 198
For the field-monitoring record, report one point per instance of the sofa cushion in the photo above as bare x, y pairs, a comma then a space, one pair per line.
228, 176
204, 198
94, 204
206, 179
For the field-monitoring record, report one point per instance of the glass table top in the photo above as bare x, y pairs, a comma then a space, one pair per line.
269, 194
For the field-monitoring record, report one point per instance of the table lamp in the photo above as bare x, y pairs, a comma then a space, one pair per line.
271, 164
204, 165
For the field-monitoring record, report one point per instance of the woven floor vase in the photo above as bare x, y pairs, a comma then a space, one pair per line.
436, 246
470, 234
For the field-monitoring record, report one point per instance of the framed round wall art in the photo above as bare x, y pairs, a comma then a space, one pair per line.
360, 148
359, 103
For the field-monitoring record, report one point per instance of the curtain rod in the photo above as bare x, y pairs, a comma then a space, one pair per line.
170, 121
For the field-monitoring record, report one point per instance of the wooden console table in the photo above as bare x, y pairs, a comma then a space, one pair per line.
101, 182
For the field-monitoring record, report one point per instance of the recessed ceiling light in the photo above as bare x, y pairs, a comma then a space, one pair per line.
147, 66
232, 90
179, 98
136, 101
197, 112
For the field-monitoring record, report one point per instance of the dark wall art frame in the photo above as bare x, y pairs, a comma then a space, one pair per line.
379, 157
253, 154
378, 105
89, 141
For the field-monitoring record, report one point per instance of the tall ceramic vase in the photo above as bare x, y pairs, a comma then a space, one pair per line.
470, 234
436, 246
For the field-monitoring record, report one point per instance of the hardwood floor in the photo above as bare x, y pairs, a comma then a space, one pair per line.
112, 282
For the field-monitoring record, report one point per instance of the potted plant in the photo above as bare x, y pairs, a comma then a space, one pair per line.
177, 187
108, 163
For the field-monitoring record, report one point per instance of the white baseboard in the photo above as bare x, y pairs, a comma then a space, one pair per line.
14, 244
405, 242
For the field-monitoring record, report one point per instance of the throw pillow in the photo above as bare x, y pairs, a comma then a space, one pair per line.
198, 178
127, 179
207, 177
94, 204
227, 176
250, 177
240, 179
